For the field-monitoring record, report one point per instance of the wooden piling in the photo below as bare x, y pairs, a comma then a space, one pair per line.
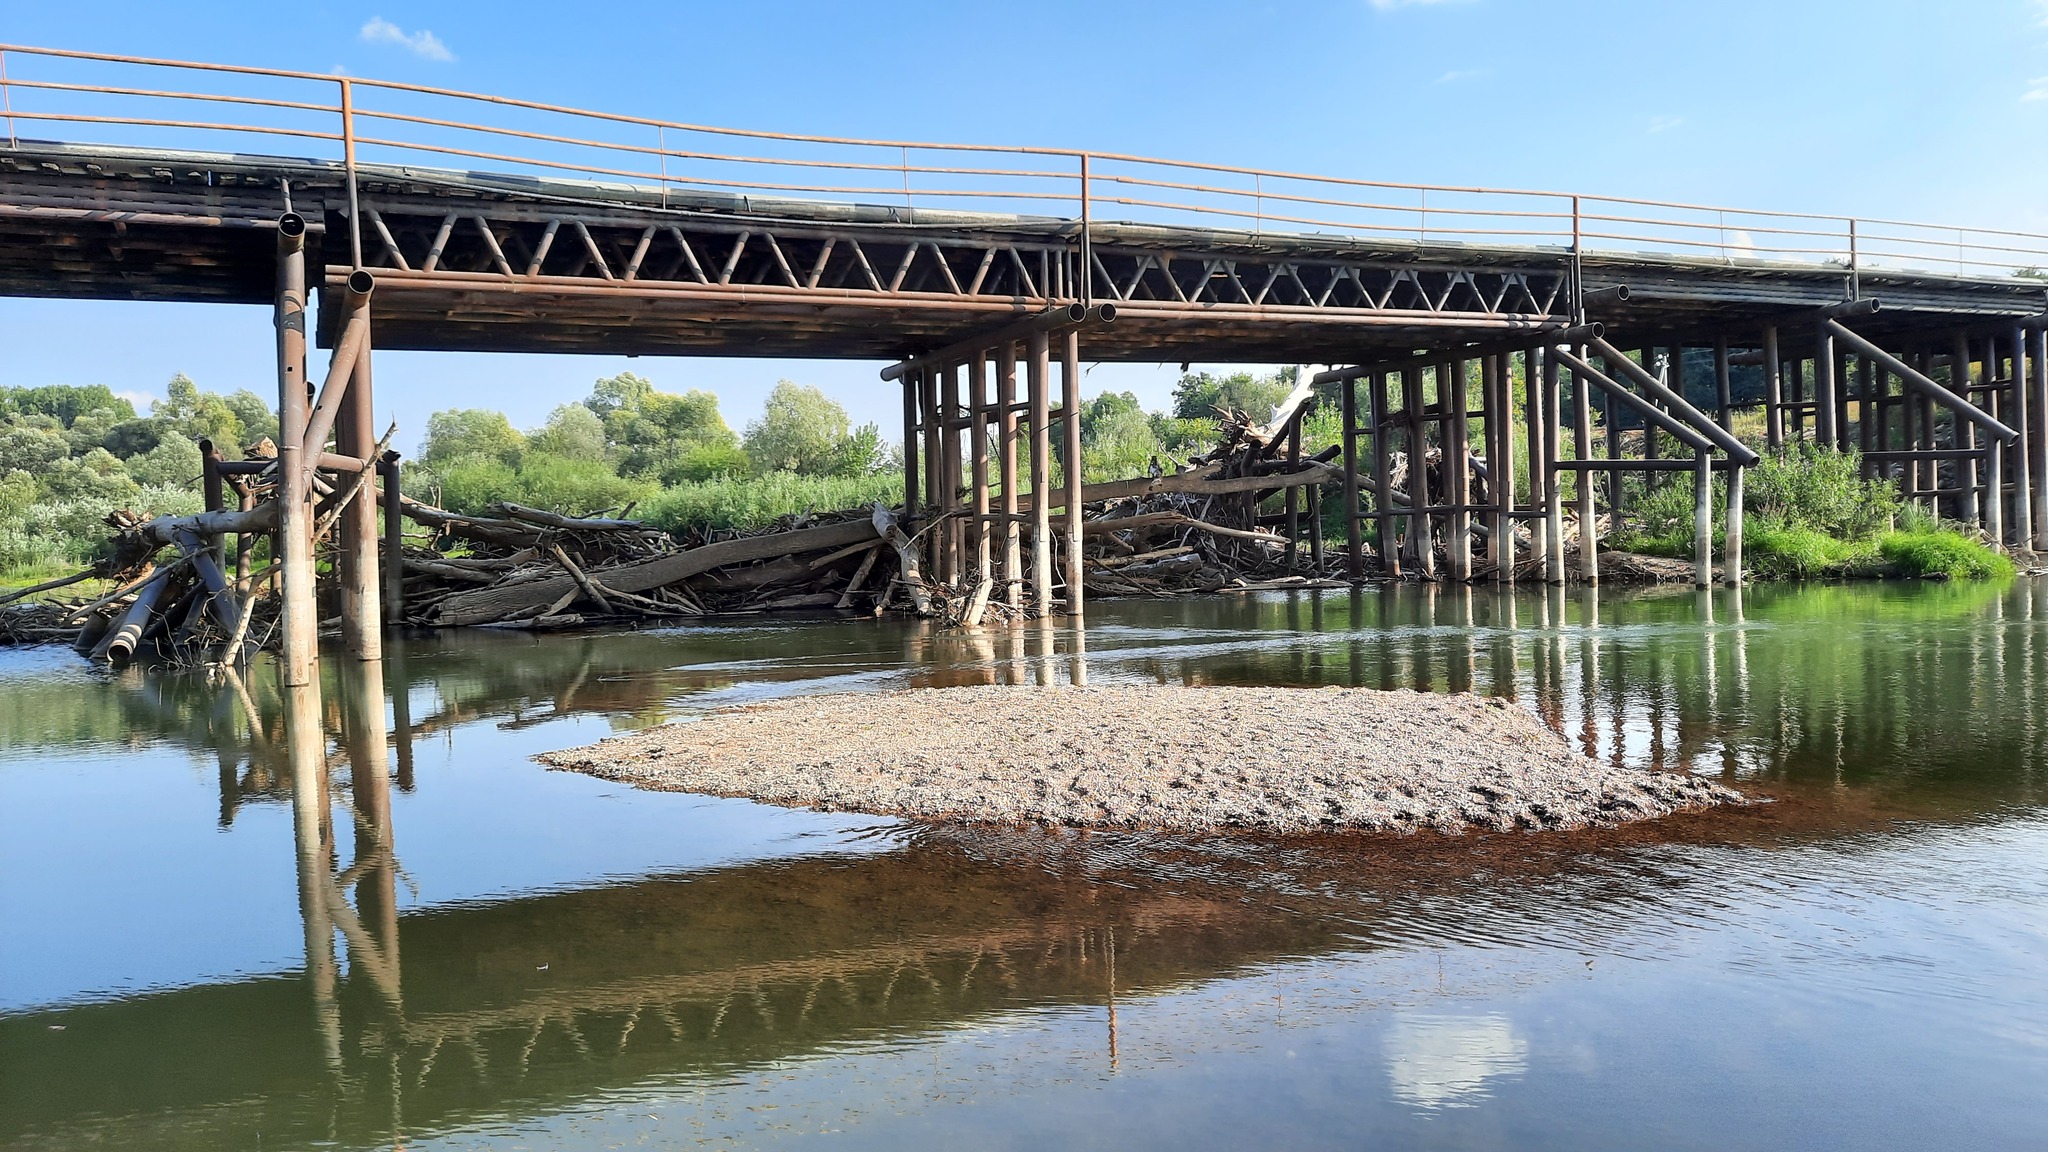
2023, 417
948, 417
1824, 387
936, 504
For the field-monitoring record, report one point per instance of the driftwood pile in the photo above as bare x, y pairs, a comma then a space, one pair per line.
181, 593
530, 568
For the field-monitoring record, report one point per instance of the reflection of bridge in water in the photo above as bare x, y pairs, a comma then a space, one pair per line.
428, 1021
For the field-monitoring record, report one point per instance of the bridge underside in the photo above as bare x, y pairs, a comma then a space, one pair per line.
474, 262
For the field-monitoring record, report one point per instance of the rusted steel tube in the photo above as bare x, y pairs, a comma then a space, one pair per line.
1921, 382
120, 641
362, 613
1070, 421
293, 542
394, 537
1038, 369
1691, 437
1706, 428
355, 336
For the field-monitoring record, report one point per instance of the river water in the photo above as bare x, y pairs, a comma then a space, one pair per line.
240, 918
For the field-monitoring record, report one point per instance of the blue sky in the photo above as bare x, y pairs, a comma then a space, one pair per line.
1922, 111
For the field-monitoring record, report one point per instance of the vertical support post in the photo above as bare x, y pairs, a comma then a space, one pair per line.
1703, 519
214, 490
1731, 544
913, 386
1502, 470
2038, 442
1383, 497
1774, 391
1824, 388
935, 500
1724, 391
362, 615
394, 539
1420, 544
2022, 421
1582, 447
1039, 368
298, 620
1962, 433
1354, 543
1070, 411
949, 443
1539, 466
1293, 495
977, 449
1842, 393
1006, 449
1458, 471
1553, 486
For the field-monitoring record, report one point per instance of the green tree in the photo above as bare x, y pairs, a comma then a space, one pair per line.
617, 393
457, 433
573, 432
196, 414
1200, 395
801, 430
64, 402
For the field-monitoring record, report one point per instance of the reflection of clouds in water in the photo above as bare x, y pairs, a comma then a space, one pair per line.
1445, 1061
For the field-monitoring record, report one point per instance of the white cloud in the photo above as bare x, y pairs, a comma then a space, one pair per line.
141, 400
2037, 89
1457, 74
420, 43
1390, 5
1664, 123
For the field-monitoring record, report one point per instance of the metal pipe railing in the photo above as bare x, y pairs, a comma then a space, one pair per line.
1085, 179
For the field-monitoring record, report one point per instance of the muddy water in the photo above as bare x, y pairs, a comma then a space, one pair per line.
238, 918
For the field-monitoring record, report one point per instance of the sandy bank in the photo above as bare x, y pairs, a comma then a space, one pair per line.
1274, 759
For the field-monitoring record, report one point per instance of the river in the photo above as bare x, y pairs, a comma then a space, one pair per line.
241, 918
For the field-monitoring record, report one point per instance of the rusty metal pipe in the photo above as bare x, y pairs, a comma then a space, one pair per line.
355, 333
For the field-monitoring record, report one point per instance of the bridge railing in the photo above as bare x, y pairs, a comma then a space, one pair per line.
355, 122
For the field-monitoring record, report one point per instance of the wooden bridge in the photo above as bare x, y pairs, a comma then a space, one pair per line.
449, 220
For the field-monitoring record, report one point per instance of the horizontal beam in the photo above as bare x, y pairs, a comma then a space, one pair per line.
1558, 332
1720, 437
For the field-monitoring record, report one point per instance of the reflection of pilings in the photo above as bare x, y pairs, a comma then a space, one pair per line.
1077, 653
375, 867
313, 830
1589, 666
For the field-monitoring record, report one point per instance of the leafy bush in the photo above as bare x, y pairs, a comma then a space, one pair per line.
575, 487
759, 501
1807, 486
1942, 556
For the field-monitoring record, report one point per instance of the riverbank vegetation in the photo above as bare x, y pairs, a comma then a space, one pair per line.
69, 455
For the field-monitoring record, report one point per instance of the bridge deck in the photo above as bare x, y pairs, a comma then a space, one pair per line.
489, 262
